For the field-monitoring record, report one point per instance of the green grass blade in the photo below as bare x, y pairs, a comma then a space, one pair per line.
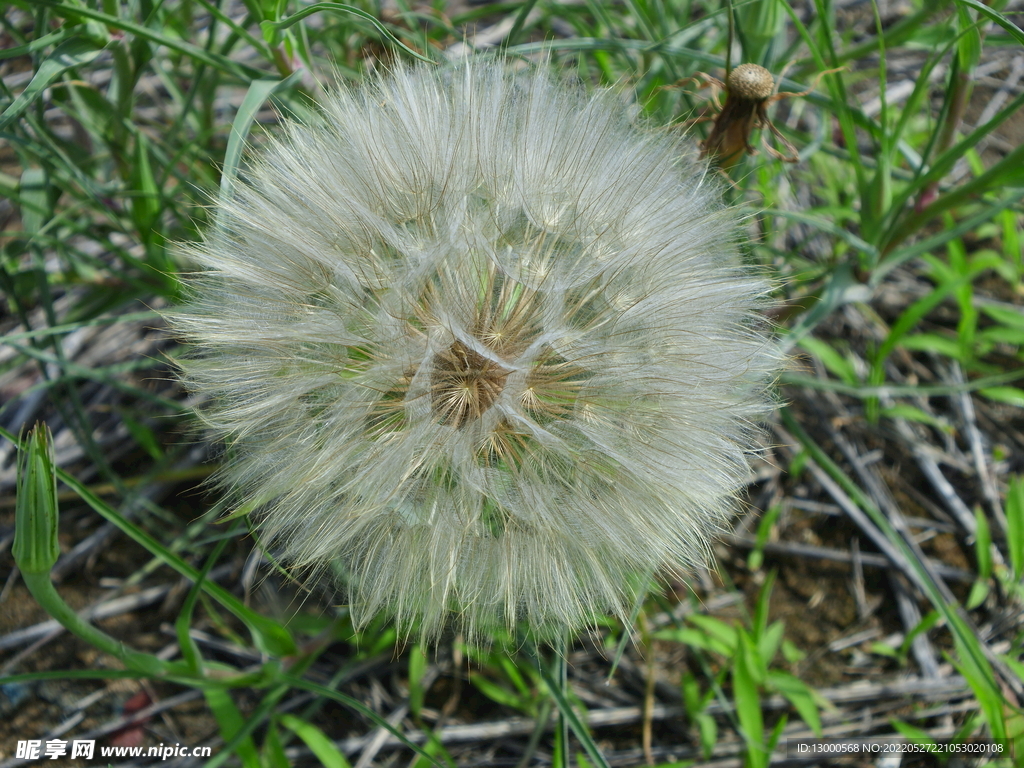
994, 15
568, 712
1015, 526
969, 224
73, 52
357, 706
259, 91
201, 55
976, 657
896, 390
272, 29
56, 330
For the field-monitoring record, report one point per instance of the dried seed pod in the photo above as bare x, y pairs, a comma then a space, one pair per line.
749, 91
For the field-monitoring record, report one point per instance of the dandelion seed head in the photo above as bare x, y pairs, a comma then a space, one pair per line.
482, 347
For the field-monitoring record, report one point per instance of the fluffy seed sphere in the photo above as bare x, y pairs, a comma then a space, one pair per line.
482, 347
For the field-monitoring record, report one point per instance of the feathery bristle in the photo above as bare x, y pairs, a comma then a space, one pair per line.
482, 346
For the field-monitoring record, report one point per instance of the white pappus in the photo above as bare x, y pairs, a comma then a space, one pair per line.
483, 348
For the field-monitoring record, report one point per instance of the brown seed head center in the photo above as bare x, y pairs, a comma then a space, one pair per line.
750, 81
464, 384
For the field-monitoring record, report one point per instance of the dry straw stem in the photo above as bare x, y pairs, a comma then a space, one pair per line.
482, 347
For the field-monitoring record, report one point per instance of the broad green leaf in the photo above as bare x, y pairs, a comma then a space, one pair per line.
691, 693
1015, 665
748, 704
979, 591
914, 314
1014, 318
143, 434
933, 342
351, 703
759, 24
34, 200
696, 638
36, 45
913, 413
842, 288
417, 669
884, 649
800, 695
708, 730
999, 334
969, 43
838, 365
146, 204
321, 746
1013, 250
773, 737
756, 666
434, 748
916, 735
230, 722
930, 244
1008, 395
513, 673
725, 634
768, 643
760, 617
791, 653
978, 674
499, 694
